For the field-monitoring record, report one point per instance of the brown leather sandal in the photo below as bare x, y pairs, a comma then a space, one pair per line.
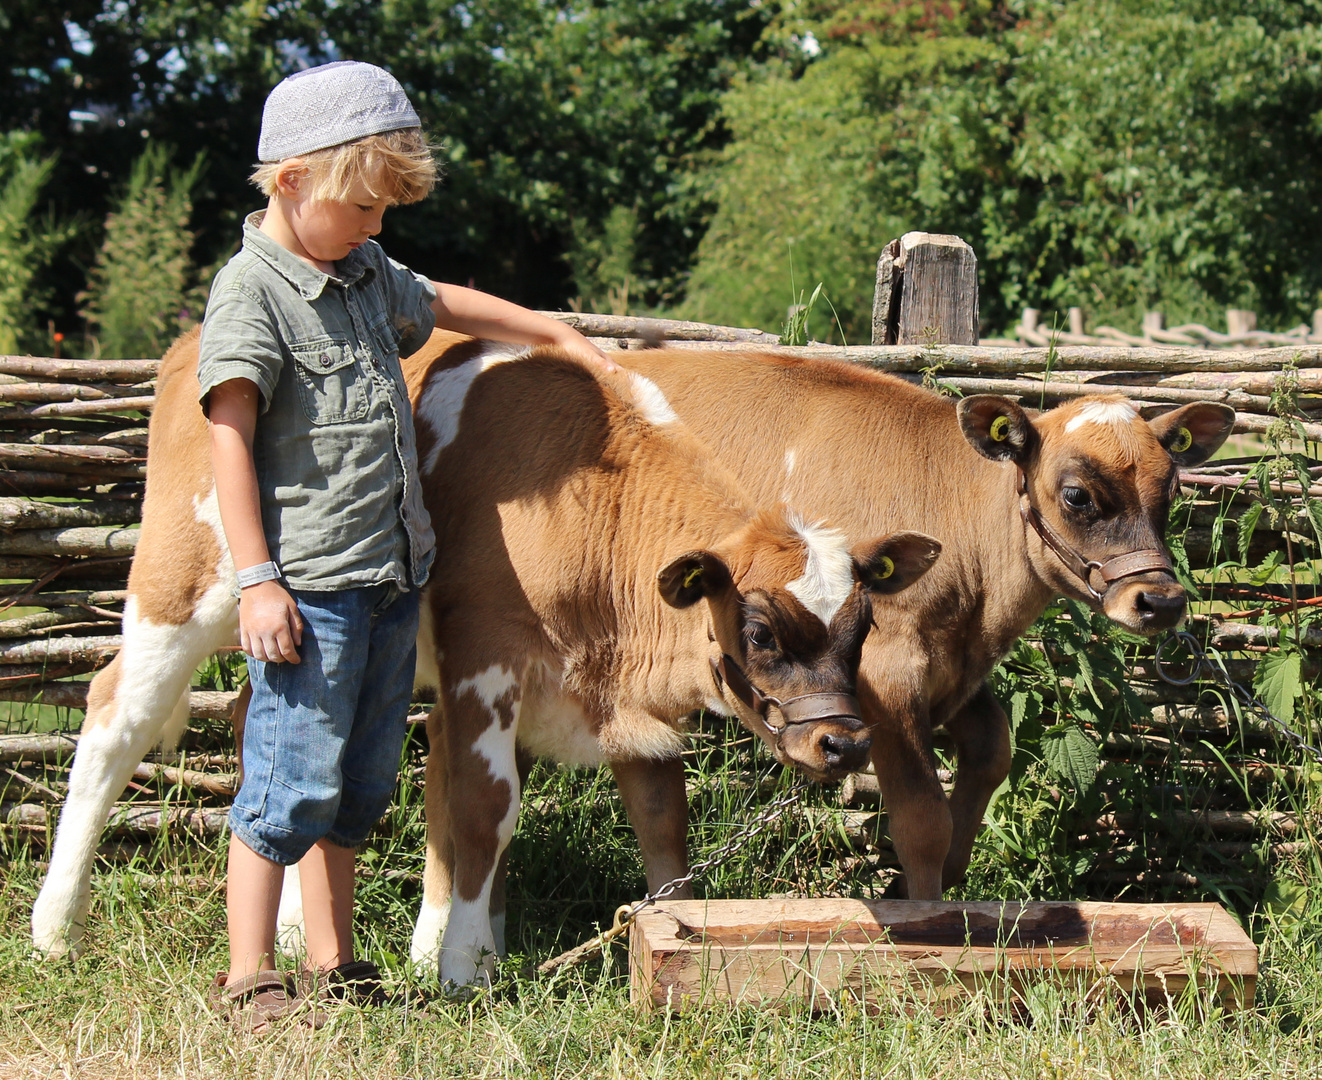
261, 1002
357, 982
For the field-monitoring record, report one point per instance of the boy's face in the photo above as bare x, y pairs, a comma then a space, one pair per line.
327, 231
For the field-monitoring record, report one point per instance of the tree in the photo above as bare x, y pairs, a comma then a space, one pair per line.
28, 242
1118, 154
551, 114
138, 294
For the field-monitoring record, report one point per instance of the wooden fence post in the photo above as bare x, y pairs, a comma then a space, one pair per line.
927, 292
1240, 322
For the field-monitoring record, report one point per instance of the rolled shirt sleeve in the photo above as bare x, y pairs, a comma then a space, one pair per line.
409, 298
240, 340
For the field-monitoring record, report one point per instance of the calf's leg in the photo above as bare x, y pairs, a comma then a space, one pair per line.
658, 808
981, 734
130, 705
920, 824
482, 798
525, 762
438, 872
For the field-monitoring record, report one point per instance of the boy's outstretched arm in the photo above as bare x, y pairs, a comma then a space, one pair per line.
270, 627
479, 314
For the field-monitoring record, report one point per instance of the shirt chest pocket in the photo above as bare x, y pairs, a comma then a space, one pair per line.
331, 384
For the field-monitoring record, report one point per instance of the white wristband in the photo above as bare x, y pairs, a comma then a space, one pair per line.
255, 575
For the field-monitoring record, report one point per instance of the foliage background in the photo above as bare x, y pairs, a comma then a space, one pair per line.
712, 157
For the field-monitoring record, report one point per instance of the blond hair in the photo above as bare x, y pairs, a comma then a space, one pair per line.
398, 166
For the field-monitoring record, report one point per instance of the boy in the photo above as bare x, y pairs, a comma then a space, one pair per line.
317, 485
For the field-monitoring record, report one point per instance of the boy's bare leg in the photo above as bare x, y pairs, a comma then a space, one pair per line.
326, 876
251, 901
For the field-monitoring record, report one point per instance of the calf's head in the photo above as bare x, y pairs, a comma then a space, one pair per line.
790, 606
1095, 483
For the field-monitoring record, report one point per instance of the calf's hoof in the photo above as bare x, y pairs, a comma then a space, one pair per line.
54, 940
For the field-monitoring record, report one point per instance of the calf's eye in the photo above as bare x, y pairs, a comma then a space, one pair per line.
1076, 498
761, 637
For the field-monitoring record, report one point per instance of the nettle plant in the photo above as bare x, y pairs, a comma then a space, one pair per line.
1065, 689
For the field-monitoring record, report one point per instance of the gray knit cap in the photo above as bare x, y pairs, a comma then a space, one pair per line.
329, 105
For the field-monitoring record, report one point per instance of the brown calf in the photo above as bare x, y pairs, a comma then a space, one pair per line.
599, 623
1071, 502
578, 527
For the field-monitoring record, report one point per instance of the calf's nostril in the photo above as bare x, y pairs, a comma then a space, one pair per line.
1160, 609
841, 752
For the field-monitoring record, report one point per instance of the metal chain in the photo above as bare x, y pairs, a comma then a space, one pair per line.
625, 914
1213, 664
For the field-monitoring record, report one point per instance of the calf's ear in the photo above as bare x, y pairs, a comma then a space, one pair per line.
892, 563
997, 428
691, 577
1194, 433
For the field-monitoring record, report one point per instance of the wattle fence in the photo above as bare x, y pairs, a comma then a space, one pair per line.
1225, 801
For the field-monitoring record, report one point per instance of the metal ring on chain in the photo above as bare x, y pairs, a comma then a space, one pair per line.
1216, 669
1195, 651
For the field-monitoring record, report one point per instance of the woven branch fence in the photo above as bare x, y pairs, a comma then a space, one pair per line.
73, 448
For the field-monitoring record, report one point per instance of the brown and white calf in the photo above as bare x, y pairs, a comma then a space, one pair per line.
595, 569
577, 494
1072, 502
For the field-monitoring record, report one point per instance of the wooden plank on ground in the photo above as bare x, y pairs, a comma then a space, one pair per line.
883, 954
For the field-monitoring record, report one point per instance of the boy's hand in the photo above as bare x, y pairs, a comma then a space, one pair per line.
270, 627
480, 315
581, 348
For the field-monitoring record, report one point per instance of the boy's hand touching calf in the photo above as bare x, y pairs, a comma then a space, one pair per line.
481, 315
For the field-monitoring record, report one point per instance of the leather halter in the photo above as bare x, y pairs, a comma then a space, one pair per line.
803, 709
1114, 569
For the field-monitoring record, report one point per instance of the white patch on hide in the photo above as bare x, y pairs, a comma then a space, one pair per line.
553, 725
651, 401
427, 932
828, 573
442, 399
489, 686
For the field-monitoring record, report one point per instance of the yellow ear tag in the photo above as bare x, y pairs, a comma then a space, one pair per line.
692, 576
1000, 428
883, 571
1183, 440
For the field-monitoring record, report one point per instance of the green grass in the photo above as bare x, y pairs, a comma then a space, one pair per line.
134, 1003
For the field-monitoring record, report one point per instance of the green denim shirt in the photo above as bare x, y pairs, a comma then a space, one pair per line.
336, 458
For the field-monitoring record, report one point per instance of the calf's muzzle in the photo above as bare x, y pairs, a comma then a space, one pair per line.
841, 748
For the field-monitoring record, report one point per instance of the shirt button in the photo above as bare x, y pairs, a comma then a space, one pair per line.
325, 360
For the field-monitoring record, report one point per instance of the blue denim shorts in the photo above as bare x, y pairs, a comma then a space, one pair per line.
323, 738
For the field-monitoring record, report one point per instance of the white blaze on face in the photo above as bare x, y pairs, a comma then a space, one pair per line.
1115, 413
651, 401
828, 573
1115, 417
443, 397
